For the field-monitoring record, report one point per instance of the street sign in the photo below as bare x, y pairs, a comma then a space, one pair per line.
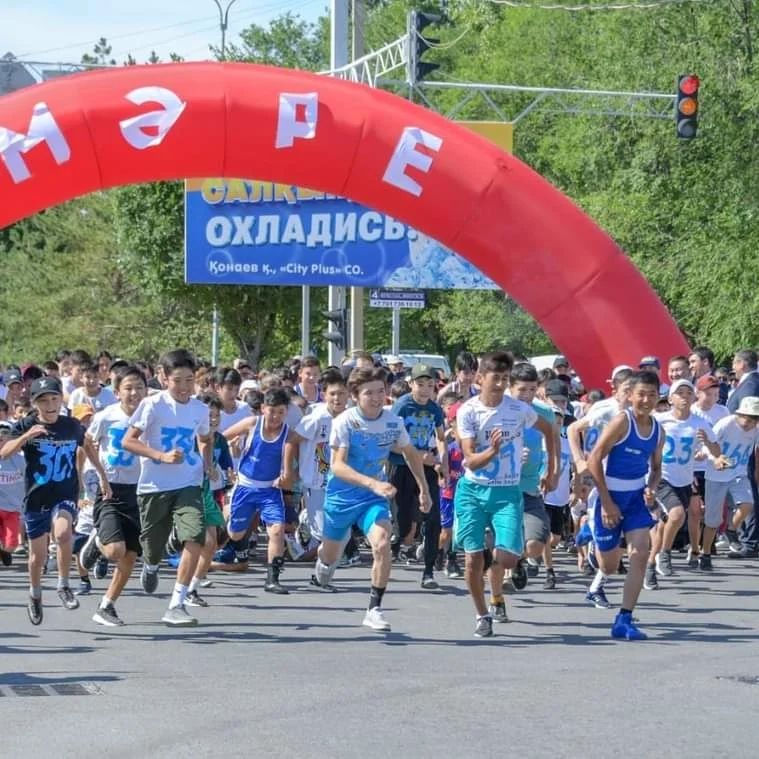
396, 298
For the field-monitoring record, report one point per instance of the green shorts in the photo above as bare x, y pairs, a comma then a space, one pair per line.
159, 512
212, 515
478, 507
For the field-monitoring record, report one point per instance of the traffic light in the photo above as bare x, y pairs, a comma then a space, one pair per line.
339, 335
419, 45
686, 107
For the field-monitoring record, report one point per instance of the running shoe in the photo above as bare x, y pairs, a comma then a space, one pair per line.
101, 568
193, 599
85, 587
178, 617
519, 576
325, 588
484, 627
375, 619
68, 599
498, 612
705, 563
664, 563
34, 609
722, 542
692, 559
624, 628
90, 552
550, 581
428, 582
148, 579
420, 552
6, 557
533, 568
107, 616
206, 583
598, 599
587, 570
649, 581
453, 570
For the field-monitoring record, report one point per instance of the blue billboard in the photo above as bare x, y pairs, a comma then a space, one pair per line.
246, 232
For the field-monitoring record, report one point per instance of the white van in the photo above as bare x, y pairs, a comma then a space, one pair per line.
431, 359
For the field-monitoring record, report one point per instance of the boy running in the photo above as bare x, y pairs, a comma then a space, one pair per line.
626, 467
491, 432
117, 520
49, 442
357, 490
164, 431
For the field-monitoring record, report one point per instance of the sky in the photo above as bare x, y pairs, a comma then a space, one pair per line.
61, 31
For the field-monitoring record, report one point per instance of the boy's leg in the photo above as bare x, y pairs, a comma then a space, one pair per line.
377, 528
407, 505
637, 551
471, 522
63, 534
431, 527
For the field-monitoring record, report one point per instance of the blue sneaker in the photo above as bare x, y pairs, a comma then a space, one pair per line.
624, 628
598, 599
225, 555
173, 560
584, 535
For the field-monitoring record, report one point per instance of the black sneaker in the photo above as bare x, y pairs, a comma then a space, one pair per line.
453, 570
498, 612
101, 568
550, 582
107, 617
68, 599
328, 588
519, 576
90, 552
193, 599
6, 557
649, 581
85, 586
484, 627
273, 586
148, 579
533, 568
705, 563
428, 582
34, 608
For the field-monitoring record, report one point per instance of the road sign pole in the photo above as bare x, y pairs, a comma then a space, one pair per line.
395, 348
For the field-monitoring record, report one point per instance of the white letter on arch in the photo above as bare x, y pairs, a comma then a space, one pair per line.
288, 125
406, 154
163, 120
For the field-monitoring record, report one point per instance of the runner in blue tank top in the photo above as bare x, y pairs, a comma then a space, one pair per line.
263, 473
626, 466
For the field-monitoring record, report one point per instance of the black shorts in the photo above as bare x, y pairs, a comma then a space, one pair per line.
699, 484
558, 518
672, 496
118, 519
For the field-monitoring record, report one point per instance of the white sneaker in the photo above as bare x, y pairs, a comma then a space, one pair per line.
206, 583
723, 542
375, 619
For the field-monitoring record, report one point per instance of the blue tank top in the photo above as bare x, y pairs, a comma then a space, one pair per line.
628, 461
261, 461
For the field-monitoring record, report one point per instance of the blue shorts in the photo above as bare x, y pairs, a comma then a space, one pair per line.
38, 523
446, 512
245, 502
338, 521
635, 516
500, 507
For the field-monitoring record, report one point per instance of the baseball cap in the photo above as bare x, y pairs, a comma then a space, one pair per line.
44, 386
617, 369
649, 361
749, 406
555, 388
677, 384
453, 410
560, 361
12, 376
707, 381
422, 370
390, 360
82, 411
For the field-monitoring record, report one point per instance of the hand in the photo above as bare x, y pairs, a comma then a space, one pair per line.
496, 437
701, 436
721, 462
174, 456
581, 466
425, 502
383, 489
36, 431
549, 484
611, 516
649, 496
700, 456
105, 489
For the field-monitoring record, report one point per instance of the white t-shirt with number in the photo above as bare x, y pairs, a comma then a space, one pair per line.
681, 445
167, 425
107, 430
736, 445
313, 453
713, 415
476, 421
560, 496
598, 417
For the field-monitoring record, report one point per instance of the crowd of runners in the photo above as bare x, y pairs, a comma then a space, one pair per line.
188, 466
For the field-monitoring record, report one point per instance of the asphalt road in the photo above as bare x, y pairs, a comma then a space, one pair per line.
297, 675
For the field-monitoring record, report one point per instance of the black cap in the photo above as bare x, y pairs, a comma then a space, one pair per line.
560, 361
44, 386
556, 389
11, 376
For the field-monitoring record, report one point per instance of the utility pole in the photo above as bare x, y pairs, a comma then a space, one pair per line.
357, 293
223, 25
338, 48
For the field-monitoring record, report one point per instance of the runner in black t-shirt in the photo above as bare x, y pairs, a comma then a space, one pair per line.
49, 443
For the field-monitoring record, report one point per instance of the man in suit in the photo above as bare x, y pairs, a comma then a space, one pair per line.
745, 368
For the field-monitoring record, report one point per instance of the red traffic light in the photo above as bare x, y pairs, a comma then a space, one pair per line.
689, 84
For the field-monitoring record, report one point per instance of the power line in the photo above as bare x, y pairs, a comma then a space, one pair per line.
444, 45
654, 4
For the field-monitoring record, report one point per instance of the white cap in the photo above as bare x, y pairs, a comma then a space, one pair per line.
677, 384
749, 406
249, 384
390, 360
617, 369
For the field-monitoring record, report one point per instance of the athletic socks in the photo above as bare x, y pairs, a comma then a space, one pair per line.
63, 582
105, 602
35, 592
598, 582
495, 600
375, 596
178, 596
194, 583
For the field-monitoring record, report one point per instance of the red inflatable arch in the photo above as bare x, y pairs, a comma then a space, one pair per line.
91, 131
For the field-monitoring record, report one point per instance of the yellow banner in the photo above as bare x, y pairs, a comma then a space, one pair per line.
501, 133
